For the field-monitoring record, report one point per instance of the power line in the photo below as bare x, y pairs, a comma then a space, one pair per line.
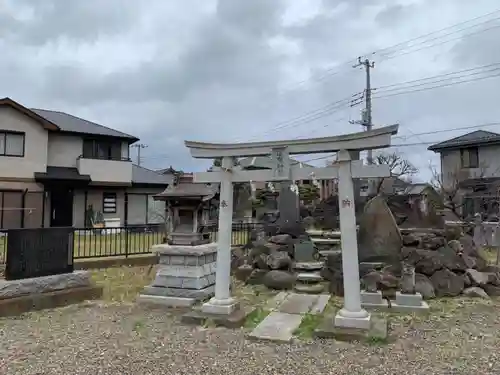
389, 57
436, 87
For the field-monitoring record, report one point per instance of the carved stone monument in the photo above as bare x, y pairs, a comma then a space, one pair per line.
407, 300
186, 274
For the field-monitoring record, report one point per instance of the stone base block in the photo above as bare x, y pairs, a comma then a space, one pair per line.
350, 322
422, 309
377, 329
381, 307
234, 320
166, 301
409, 299
212, 307
197, 294
48, 300
372, 298
309, 288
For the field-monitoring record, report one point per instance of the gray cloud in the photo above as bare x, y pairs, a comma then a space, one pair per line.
216, 71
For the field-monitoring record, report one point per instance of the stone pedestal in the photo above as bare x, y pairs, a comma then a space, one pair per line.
191, 239
373, 300
186, 274
409, 303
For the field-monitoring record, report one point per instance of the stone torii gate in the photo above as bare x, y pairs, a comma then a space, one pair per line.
351, 315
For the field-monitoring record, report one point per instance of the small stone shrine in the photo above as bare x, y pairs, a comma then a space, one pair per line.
186, 274
189, 206
308, 267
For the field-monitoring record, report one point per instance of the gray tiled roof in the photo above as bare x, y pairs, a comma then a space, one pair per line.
477, 137
265, 162
141, 175
70, 123
190, 189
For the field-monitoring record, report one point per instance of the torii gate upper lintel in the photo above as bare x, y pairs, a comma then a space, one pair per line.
351, 315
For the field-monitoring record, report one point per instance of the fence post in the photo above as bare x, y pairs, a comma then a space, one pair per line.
126, 242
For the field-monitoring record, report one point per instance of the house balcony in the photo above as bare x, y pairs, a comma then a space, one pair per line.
470, 173
117, 171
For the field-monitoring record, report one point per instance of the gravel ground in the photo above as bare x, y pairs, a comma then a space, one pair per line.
461, 337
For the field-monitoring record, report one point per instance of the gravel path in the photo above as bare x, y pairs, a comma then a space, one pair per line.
98, 338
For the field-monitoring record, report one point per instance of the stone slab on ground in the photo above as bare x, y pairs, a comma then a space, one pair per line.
277, 326
167, 301
234, 320
327, 330
198, 294
298, 303
276, 301
320, 304
44, 284
48, 300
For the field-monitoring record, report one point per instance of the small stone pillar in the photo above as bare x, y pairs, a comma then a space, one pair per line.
186, 274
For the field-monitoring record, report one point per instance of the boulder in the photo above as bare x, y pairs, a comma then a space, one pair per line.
336, 285
411, 240
258, 250
281, 239
432, 242
429, 262
492, 290
279, 260
447, 284
243, 272
279, 280
475, 291
478, 278
295, 230
256, 277
424, 286
379, 238
451, 259
260, 262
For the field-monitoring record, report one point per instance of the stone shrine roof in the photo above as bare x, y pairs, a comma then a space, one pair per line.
189, 190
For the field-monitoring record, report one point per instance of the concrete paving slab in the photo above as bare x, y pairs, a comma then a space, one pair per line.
298, 303
277, 326
320, 304
276, 301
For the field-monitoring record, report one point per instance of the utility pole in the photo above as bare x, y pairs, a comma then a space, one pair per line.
366, 119
139, 146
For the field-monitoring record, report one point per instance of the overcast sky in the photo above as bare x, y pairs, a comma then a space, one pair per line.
234, 70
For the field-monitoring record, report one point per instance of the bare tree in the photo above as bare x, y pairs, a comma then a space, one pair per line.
452, 190
398, 165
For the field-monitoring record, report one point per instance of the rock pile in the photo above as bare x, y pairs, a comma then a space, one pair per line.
443, 268
270, 261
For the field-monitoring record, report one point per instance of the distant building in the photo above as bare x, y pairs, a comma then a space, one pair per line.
470, 165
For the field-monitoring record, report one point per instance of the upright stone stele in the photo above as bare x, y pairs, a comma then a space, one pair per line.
351, 315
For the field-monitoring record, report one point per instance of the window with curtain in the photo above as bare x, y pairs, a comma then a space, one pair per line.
12, 143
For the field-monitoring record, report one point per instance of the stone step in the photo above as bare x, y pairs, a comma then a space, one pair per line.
326, 241
326, 253
309, 277
308, 266
309, 288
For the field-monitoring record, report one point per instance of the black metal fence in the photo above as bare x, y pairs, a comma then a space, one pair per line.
128, 241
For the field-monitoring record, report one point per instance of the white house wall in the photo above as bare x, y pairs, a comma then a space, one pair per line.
64, 150
489, 162
35, 150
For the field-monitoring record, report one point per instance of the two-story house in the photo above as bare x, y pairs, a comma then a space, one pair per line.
470, 171
56, 169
